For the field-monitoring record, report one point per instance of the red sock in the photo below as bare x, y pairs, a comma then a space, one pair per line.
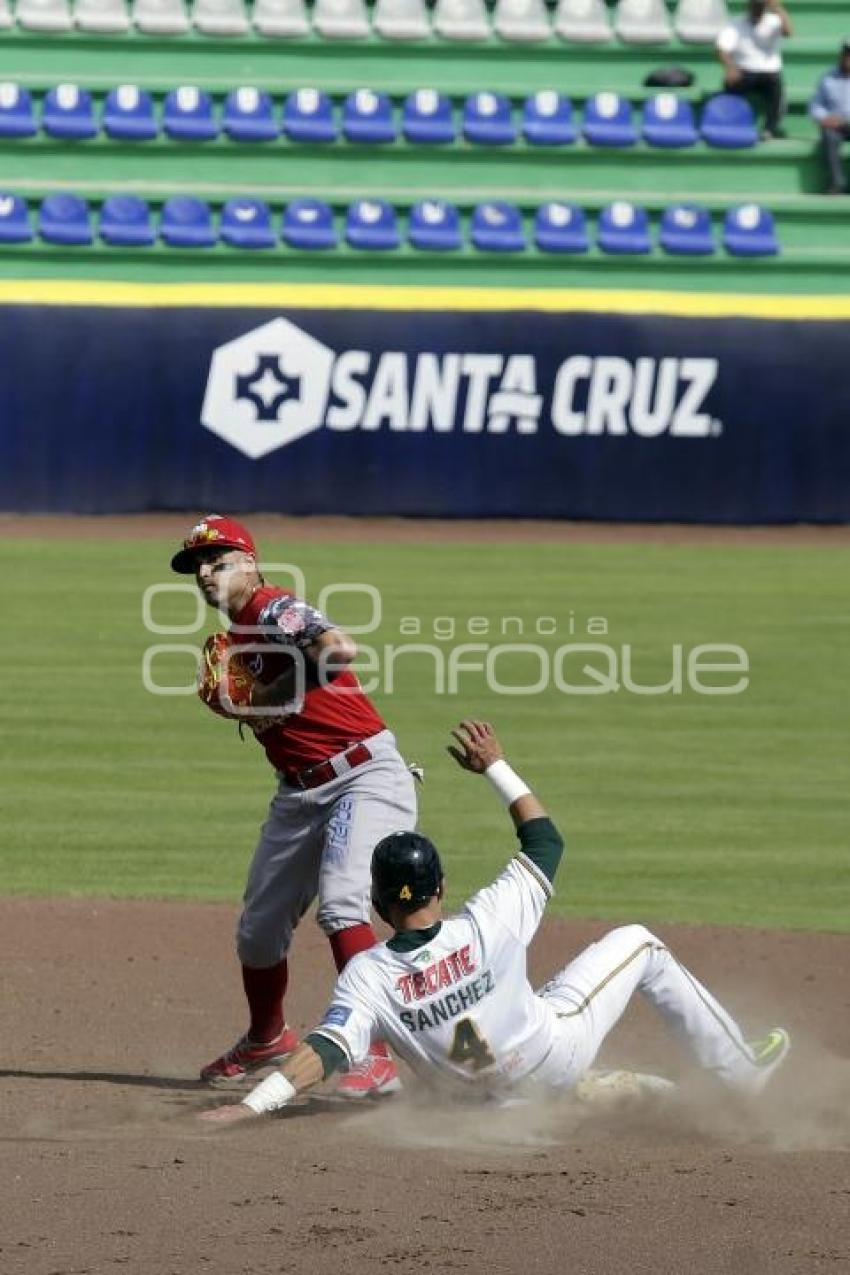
264, 990
347, 943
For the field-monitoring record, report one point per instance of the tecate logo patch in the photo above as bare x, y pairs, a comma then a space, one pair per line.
277, 383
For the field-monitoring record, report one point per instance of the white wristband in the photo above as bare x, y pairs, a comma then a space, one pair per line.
507, 782
273, 1092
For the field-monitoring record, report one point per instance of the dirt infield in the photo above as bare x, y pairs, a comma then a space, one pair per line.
109, 1008
323, 530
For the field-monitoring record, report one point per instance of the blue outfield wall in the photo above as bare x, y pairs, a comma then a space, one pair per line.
573, 415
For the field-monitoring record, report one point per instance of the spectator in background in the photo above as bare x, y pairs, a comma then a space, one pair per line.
749, 49
830, 106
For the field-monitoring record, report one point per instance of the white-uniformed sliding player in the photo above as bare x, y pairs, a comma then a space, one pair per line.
452, 997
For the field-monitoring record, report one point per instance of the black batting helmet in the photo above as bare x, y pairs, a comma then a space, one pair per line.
406, 872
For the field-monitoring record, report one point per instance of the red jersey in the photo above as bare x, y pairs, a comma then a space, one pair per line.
329, 718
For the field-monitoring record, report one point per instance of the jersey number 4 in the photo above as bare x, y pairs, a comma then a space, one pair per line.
469, 1048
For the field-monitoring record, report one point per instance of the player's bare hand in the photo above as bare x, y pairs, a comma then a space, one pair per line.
479, 747
232, 1114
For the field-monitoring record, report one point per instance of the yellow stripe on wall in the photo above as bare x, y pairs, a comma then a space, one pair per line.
328, 296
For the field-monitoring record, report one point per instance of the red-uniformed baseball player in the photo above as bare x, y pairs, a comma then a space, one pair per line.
451, 995
283, 670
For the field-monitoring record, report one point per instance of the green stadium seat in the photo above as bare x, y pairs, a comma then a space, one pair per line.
247, 223
547, 119
15, 226
249, 116
17, 117
368, 117
668, 121
284, 19
401, 20
125, 222
372, 224
608, 121
341, 19
749, 231
686, 231
187, 223
497, 227
700, 21
522, 21
643, 22
308, 224
435, 226
583, 22
561, 228
220, 17
64, 219
462, 20
67, 112
102, 17
623, 229
487, 120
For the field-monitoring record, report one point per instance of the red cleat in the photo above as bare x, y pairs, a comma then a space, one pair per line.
247, 1056
376, 1076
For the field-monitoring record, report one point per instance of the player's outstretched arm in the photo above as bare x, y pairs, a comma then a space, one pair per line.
306, 1067
478, 750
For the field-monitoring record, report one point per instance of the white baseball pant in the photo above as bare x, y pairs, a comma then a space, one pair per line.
319, 842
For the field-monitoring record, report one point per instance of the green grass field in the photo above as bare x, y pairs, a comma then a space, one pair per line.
675, 807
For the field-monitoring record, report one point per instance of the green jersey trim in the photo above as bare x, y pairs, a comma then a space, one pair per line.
409, 940
338, 1042
333, 1057
542, 844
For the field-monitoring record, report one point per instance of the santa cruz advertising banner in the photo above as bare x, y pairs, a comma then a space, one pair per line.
520, 412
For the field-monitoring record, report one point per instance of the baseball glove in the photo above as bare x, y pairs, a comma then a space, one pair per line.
224, 683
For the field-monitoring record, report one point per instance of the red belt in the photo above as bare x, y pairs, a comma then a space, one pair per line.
324, 771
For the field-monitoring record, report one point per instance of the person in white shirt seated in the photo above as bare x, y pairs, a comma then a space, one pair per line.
750, 50
830, 107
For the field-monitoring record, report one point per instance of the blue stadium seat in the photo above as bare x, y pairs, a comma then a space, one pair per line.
435, 226
371, 224
547, 119
187, 115
686, 231
608, 121
623, 228
125, 221
308, 224
368, 117
748, 231
67, 112
14, 220
64, 219
728, 121
560, 228
427, 117
487, 120
308, 117
17, 118
249, 116
497, 227
128, 114
187, 223
247, 223
669, 121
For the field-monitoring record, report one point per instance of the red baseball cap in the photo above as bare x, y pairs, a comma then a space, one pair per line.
217, 531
